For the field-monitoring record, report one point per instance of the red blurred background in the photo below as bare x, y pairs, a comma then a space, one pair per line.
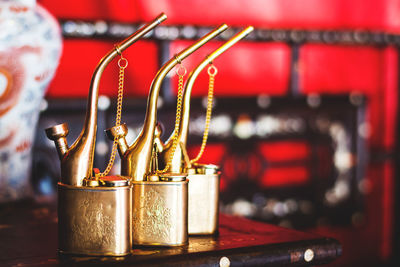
351, 83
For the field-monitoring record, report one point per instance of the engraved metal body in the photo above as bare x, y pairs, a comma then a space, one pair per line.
160, 213
95, 220
203, 199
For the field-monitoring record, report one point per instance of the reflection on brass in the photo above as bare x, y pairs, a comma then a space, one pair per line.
157, 138
160, 213
135, 160
203, 199
144, 252
95, 220
77, 161
177, 160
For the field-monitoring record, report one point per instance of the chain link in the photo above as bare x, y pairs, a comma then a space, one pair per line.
122, 64
180, 72
212, 71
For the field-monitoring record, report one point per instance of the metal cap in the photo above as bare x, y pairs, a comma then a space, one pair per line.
115, 180
153, 178
90, 182
173, 177
190, 171
118, 131
206, 168
55, 132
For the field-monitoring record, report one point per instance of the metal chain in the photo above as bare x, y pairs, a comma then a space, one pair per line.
122, 63
212, 71
180, 72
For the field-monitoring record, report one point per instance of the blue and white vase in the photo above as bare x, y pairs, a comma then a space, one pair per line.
30, 48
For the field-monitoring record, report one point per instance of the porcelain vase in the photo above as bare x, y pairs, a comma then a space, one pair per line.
30, 48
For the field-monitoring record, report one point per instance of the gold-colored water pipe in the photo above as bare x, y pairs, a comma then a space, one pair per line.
135, 159
177, 160
77, 161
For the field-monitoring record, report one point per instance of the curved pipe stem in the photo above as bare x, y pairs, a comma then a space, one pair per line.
136, 161
77, 162
176, 163
91, 116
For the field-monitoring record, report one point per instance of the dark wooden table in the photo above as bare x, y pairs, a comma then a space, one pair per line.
28, 237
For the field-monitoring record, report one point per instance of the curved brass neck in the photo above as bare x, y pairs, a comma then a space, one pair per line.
151, 114
77, 161
136, 161
91, 115
184, 122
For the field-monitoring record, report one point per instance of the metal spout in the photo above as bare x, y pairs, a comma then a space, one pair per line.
135, 162
77, 161
177, 160
58, 134
120, 132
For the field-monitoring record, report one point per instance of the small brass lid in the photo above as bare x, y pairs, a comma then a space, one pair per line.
113, 181
190, 171
153, 178
90, 182
173, 177
55, 132
206, 168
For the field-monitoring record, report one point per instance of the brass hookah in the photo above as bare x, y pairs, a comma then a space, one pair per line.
204, 178
159, 202
94, 210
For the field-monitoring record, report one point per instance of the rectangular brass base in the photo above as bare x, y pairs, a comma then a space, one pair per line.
203, 203
160, 213
95, 220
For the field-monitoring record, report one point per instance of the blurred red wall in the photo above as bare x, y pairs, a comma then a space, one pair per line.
264, 68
